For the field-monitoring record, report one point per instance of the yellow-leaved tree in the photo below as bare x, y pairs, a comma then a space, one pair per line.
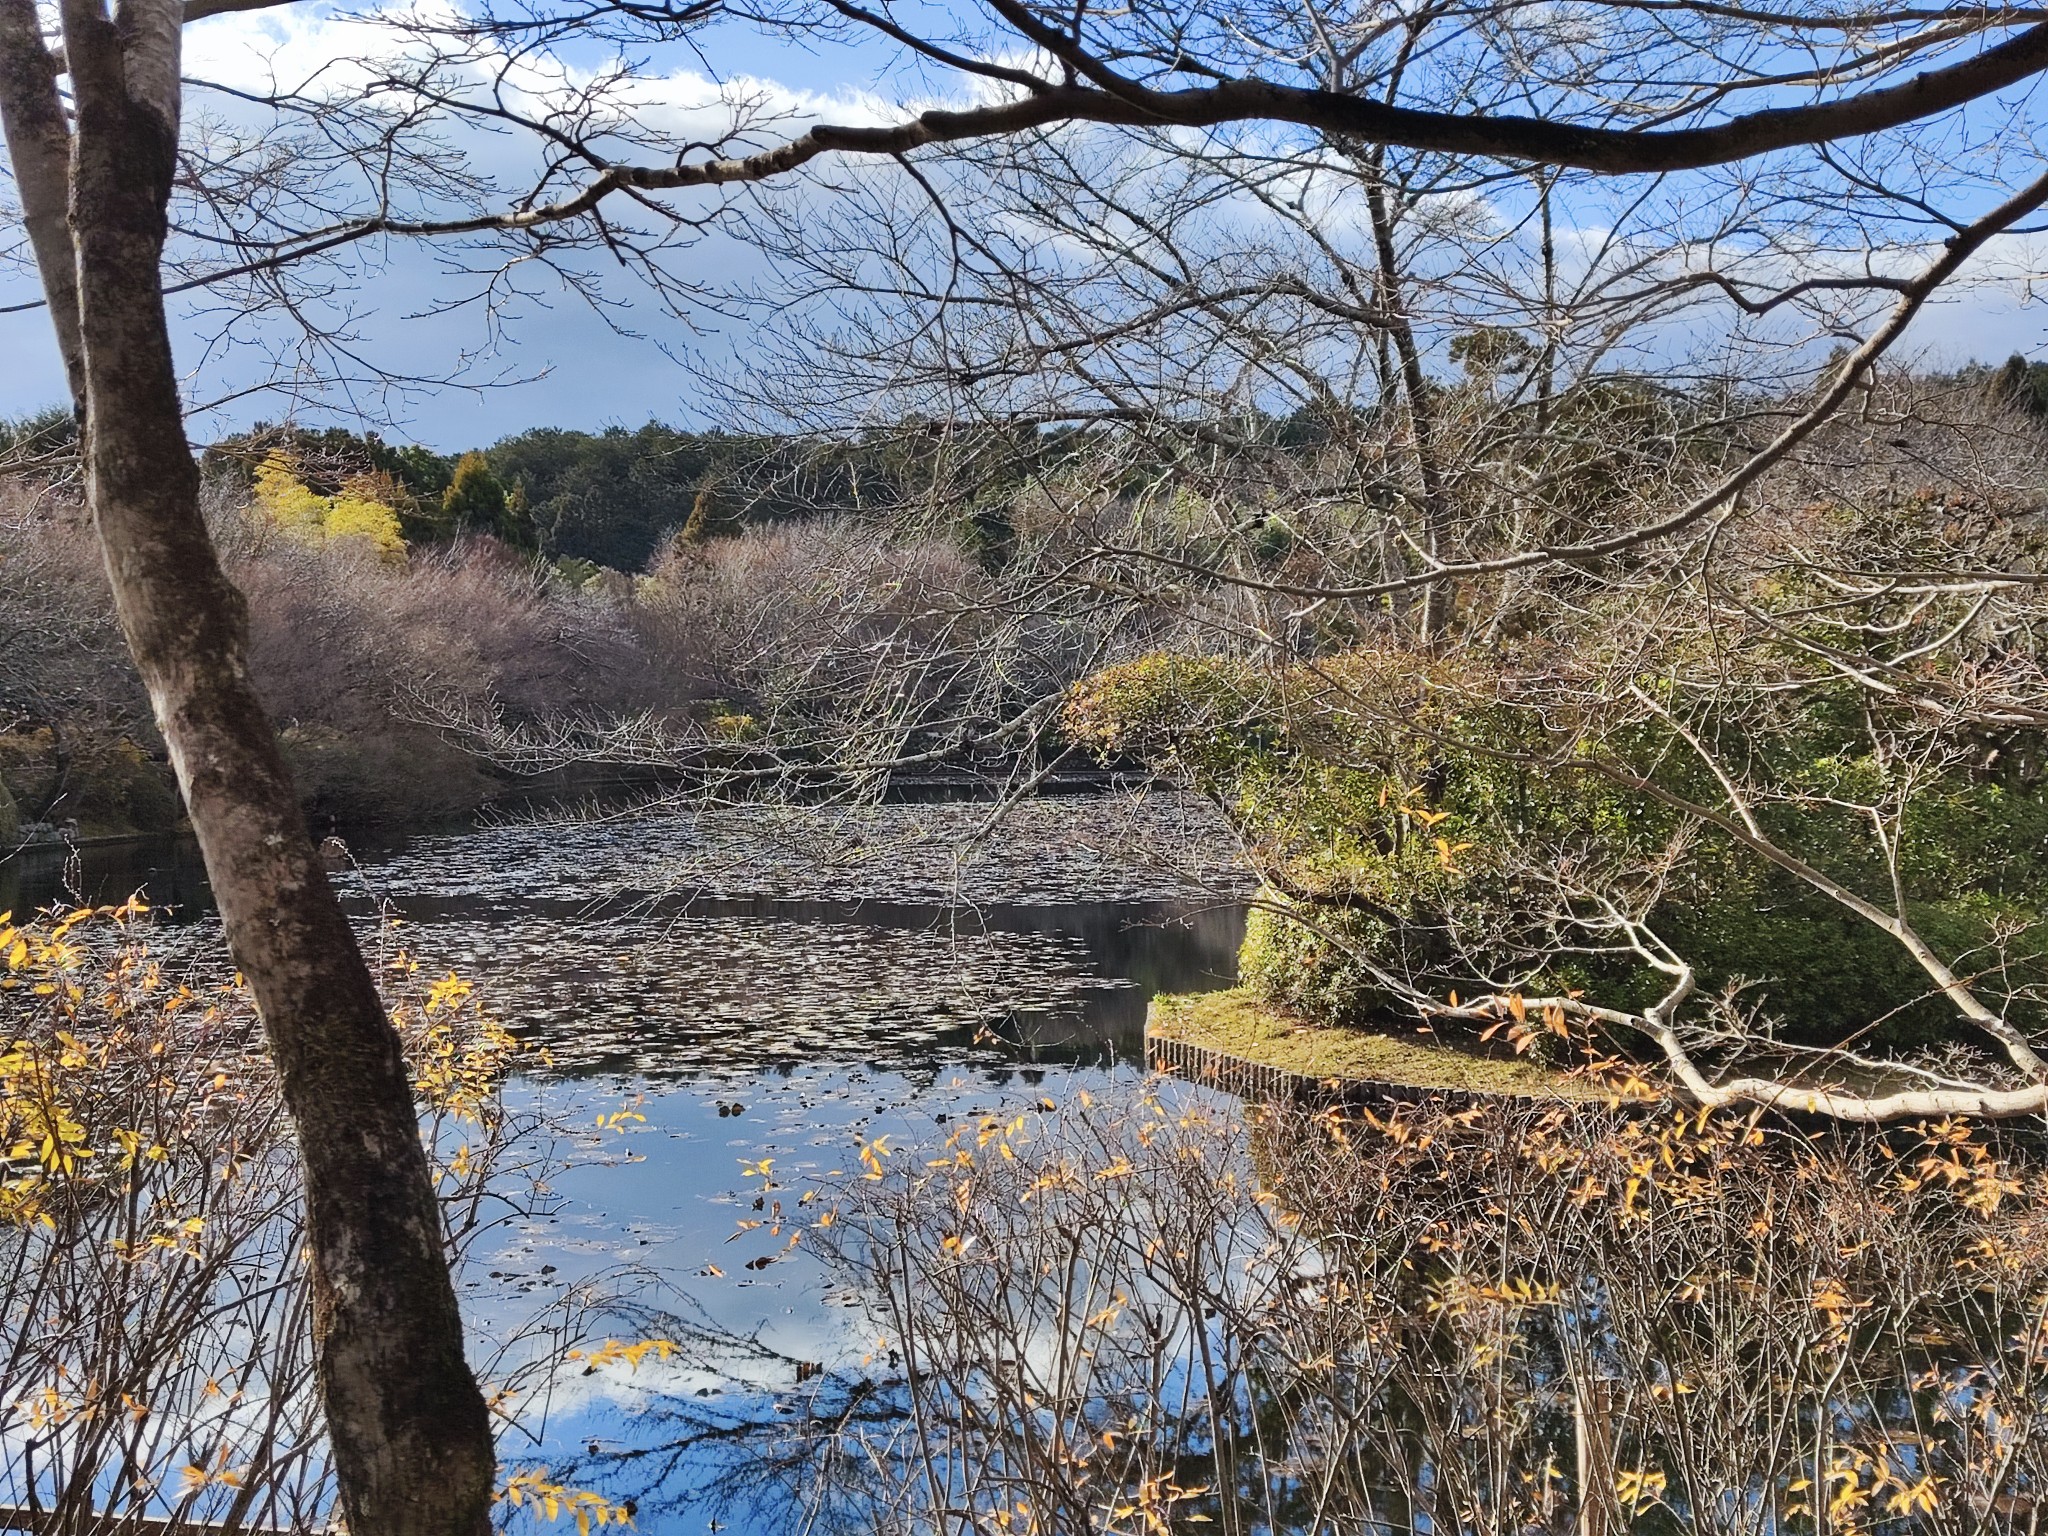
360, 511
287, 499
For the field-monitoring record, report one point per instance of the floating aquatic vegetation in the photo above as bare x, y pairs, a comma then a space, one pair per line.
713, 996
1037, 853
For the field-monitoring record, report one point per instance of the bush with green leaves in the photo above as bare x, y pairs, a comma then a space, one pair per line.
1429, 824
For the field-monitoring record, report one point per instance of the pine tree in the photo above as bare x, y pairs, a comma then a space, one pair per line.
518, 521
2021, 385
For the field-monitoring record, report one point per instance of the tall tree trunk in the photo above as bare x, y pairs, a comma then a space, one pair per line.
1436, 598
39, 150
409, 1430
1393, 303
1546, 361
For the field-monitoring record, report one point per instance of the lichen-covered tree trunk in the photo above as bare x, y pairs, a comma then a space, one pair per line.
410, 1433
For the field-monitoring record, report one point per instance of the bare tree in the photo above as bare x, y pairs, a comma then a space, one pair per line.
1649, 90
410, 1435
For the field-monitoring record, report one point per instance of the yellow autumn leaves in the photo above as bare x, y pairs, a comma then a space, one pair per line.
42, 1125
360, 510
533, 1490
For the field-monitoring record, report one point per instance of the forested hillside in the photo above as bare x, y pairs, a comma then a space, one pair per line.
434, 630
614, 499
431, 631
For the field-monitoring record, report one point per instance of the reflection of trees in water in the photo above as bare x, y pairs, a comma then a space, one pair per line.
757, 1458
156, 1353
1143, 1315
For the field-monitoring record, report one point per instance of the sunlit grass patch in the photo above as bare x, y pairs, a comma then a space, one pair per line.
1235, 1023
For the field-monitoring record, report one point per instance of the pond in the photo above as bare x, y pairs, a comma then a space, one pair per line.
1058, 1296
740, 987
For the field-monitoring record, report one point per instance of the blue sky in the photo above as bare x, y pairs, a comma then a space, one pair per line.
572, 370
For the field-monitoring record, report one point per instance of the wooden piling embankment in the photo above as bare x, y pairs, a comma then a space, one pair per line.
1263, 1083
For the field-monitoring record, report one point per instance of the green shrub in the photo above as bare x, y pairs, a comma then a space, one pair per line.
1411, 808
1208, 718
1296, 964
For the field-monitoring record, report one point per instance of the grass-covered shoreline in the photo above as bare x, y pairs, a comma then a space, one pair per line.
1238, 1024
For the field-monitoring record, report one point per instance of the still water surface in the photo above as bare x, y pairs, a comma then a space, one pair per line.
763, 984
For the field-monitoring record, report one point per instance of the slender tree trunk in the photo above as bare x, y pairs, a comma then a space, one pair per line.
409, 1430
1546, 363
39, 150
1593, 1435
1436, 598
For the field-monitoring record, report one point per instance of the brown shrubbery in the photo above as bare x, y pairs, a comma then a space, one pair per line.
824, 631
1148, 1312
394, 683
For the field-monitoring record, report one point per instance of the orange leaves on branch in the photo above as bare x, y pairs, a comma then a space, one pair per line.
616, 1352
873, 1154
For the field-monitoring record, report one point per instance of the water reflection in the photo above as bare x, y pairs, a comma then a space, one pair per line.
1143, 1314
602, 943
713, 991
169, 870
1538, 1320
778, 987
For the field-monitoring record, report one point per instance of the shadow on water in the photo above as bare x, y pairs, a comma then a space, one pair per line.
167, 872
679, 947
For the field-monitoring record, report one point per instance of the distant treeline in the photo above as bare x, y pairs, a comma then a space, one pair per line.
610, 498
614, 498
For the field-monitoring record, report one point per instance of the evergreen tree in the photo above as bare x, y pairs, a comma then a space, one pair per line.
519, 522
712, 515
475, 499
2022, 385
38, 434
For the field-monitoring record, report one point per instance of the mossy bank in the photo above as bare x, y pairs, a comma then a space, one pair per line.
1237, 1027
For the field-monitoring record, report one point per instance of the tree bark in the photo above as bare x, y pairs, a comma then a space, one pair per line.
39, 149
409, 1430
1436, 599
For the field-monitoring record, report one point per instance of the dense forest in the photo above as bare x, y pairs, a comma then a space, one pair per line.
614, 499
